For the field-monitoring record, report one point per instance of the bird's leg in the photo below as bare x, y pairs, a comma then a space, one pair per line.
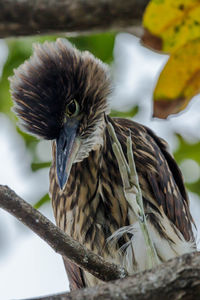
132, 190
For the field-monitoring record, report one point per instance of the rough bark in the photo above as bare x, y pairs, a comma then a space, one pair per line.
177, 279
25, 17
57, 239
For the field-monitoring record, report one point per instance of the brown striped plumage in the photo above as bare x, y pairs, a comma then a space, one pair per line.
91, 207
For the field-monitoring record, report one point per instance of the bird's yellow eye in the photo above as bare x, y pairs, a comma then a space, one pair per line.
72, 108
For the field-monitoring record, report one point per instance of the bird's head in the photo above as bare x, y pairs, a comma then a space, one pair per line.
61, 94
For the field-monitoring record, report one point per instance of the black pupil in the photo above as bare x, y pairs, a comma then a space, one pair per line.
72, 108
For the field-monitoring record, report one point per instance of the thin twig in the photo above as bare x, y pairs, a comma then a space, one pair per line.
57, 239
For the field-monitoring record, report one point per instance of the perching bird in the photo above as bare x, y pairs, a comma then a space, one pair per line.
61, 94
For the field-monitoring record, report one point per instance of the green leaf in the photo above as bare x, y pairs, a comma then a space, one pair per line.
125, 114
42, 201
38, 166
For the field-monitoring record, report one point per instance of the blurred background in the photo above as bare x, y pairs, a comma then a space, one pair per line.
28, 267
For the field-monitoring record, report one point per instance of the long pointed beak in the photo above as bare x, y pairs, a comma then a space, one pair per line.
67, 146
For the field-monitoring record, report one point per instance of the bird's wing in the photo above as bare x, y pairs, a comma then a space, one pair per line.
75, 275
160, 178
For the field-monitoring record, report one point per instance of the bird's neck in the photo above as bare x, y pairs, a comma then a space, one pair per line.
95, 184
92, 207
92, 193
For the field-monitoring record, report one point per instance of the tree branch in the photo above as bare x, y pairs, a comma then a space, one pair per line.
25, 17
175, 279
57, 239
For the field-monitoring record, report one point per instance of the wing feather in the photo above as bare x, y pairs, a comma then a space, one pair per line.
163, 178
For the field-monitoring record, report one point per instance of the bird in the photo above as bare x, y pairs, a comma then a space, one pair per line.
62, 94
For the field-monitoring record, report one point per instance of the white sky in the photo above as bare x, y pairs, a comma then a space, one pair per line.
28, 267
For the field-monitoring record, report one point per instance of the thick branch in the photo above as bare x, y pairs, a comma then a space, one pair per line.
176, 279
57, 239
25, 17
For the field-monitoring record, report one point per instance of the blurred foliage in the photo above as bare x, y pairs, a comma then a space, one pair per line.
125, 114
187, 150
38, 166
101, 45
194, 187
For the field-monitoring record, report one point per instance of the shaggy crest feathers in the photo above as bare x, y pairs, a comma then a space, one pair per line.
55, 74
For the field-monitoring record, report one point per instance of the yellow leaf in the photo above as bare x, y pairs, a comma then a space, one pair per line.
179, 81
172, 22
